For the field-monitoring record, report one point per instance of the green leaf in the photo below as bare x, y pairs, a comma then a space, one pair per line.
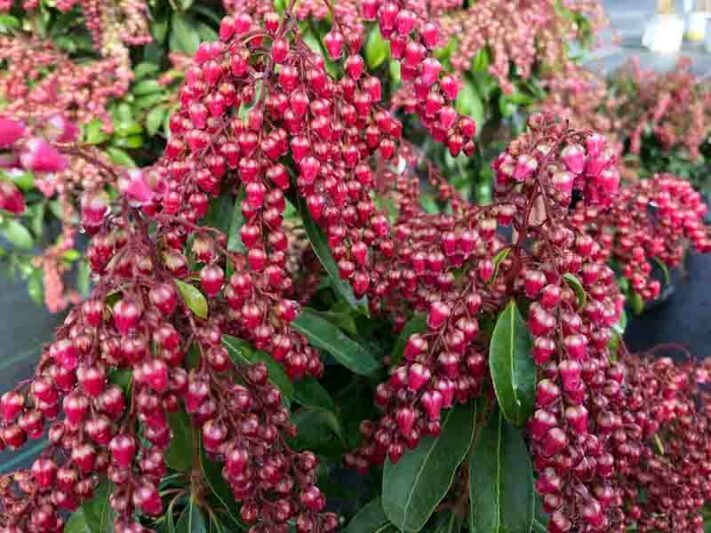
416, 324
184, 4
183, 36
145, 87
94, 516
414, 486
637, 302
501, 494
242, 353
219, 214
665, 270
376, 49
191, 520
24, 180
318, 431
35, 286
234, 239
84, 278
144, 69
325, 336
17, 235
120, 157
577, 286
193, 298
179, 455
369, 519
498, 259
77, 523
469, 103
309, 393
154, 120
319, 243
94, 132
513, 372
219, 489
206, 33
132, 142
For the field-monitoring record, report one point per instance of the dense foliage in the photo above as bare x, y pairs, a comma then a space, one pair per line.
296, 318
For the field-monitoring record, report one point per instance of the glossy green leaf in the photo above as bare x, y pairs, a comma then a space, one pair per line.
665, 270
309, 393
154, 120
24, 180
184, 4
120, 157
94, 516
369, 519
193, 298
144, 69
145, 87
180, 453
242, 352
325, 336
577, 286
219, 489
416, 324
513, 372
191, 520
376, 49
414, 486
234, 238
183, 36
77, 523
17, 234
35, 286
132, 142
94, 132
498, 259
636, 302
319, 432
319, 243
469, 103
501, 493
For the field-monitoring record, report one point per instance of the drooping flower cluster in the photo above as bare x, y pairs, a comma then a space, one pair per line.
651, 220
115, 25
39, 81
666, 486
526, 35
672, 107
136, 320
448, 363
260, 119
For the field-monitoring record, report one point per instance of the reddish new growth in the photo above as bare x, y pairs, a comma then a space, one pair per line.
114, 24
672, 107
40, 81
